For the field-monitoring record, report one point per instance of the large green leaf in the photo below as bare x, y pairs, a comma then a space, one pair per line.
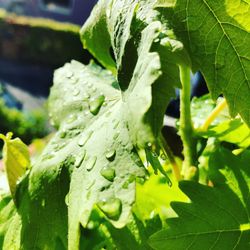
216, 34
104, 125
217, 217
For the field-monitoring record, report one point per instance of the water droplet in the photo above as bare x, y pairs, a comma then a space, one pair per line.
108, 13
76, 92
48, 156
84, 138
71, 118
116, 124
149, 144
156, 40
80, 159
111, 208
88, 194
140, 180
95, 105
91, 185
108, 173
110, 154
163, 157
74, 80
116, 135
43, 203
154, 154
63, 134
90, 85
59, 146
128, 181
66, 199
91, 163
69, 74
86, 96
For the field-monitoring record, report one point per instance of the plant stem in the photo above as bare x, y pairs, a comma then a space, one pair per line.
189, 169
213, 115
166, 149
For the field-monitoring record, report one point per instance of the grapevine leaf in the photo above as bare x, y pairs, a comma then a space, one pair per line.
223, 128
216, 35
104, 125
217, 217
16, 160
126, 21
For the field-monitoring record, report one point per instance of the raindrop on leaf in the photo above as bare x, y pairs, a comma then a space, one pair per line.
84, 138
76, 92
69, 74
80, 159
111, 208
71, 118
95, 105
91, 163
110, 154
66, 199
108, 173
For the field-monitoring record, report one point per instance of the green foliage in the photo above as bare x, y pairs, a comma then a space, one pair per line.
16, 160
216, 35
27, 125
81, 191
217, 217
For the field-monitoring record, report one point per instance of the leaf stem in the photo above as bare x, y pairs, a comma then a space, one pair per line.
213, 115
166, 149
189, 169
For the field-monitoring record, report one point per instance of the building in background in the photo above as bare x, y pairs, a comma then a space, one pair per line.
74, 11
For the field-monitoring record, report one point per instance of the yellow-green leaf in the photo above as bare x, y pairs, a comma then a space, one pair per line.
16, 159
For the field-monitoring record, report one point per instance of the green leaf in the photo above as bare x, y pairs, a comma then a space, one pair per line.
135, 234
217, 217
223, 128
16, 160
102, 143
95, 36
216, 34
9, 225
154, 197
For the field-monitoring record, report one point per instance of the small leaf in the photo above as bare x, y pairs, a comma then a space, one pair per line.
16, 160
